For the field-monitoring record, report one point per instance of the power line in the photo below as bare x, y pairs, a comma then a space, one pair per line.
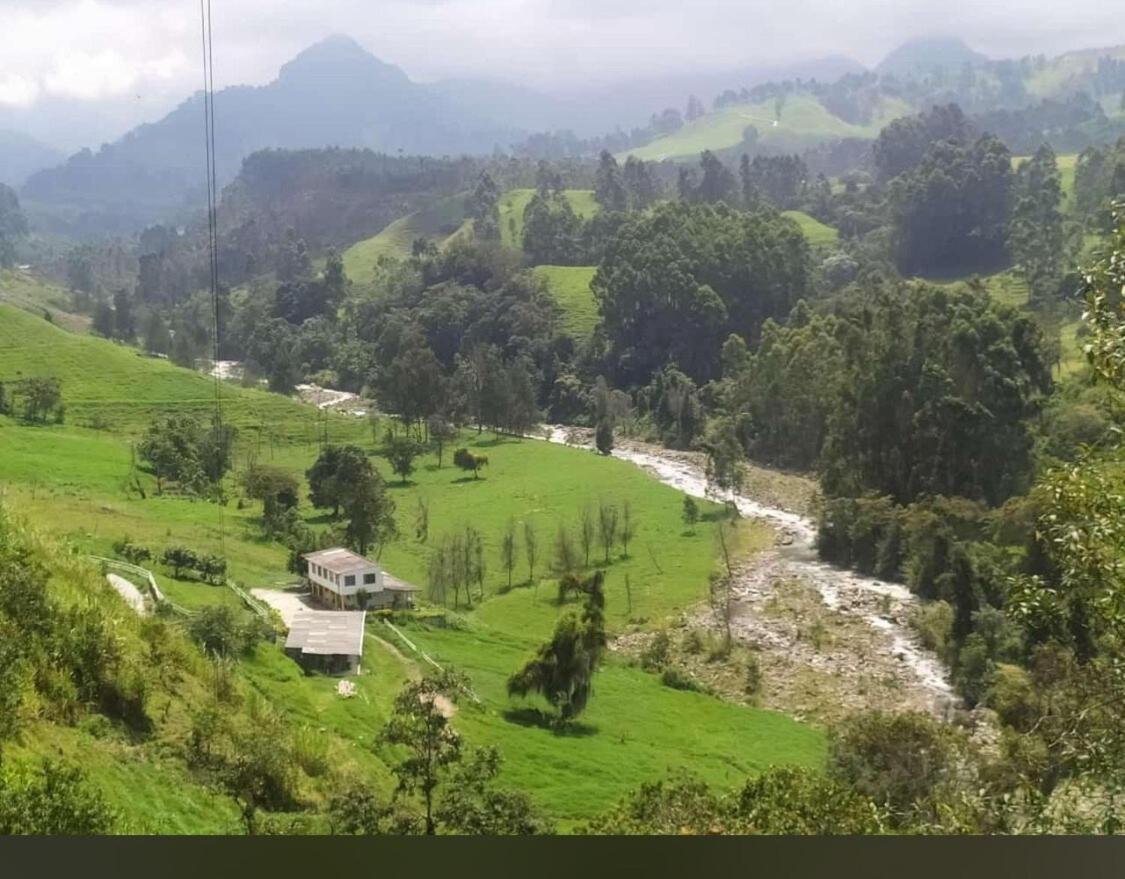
213, 237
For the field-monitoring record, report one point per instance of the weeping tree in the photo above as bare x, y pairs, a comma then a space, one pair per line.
562, 670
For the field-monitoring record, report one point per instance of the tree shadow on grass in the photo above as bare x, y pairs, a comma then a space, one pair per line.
462, 480
399, 484
321, 519
493, 441
534, 717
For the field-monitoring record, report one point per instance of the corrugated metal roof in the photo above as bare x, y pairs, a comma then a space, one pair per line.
339, 560
328, 632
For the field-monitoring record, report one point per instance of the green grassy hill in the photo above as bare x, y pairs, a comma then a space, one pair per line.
40, 298
121, 388
514, 202
438, 221
818, 234
1065, 73
571, 287
803, 122
74, 480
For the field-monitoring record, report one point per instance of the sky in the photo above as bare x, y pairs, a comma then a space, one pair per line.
138, 55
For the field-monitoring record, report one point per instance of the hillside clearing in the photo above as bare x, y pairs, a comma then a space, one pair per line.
439, 221
40, 298
514, 202
571, 288
803, 122
818, 234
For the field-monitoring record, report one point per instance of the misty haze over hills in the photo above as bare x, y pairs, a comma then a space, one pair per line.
335, 93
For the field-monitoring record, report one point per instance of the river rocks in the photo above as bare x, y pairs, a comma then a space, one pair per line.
829, 642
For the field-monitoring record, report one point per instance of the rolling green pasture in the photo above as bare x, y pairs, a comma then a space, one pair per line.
634, 730
72, 480
803, 122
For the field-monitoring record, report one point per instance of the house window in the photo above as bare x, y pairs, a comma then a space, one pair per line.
368, 579
349, 580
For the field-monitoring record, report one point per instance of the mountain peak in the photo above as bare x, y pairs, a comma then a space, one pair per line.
923, 55
338, 57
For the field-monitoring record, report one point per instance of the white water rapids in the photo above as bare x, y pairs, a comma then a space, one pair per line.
884, 607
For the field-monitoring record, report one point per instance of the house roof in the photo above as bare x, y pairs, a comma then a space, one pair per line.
327, 632
339, 560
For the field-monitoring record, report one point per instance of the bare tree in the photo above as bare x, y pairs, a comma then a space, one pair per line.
439, 573
566, 558
530, 548
508, 549
721, 586
607, 527
586, 530
628, 527
474, 552
422, 520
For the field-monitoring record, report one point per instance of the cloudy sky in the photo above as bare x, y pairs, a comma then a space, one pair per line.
146, 51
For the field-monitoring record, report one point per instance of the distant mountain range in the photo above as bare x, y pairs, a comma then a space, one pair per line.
22, 155
335, 93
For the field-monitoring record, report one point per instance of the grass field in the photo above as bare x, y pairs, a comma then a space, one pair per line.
1066, 164
438, 221
571, 287
803, 122
634, 730
71, 479
121, 388
818, 234
514, 202
39, 297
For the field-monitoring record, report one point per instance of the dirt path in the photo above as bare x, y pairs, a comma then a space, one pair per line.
287, 602
829, 641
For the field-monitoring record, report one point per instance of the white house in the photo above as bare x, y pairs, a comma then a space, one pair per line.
343, 580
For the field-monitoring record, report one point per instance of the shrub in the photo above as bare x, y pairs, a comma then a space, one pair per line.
898, 760
692, 642
56, 800
656, 655
179, 559
753, 680
933, 621
132, 552
680, 680
224, 632
467, 460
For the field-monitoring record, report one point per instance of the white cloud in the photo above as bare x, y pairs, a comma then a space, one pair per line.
18, 91
97, 49
89, 75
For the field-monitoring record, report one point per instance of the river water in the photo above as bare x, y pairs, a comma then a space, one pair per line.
885, 608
